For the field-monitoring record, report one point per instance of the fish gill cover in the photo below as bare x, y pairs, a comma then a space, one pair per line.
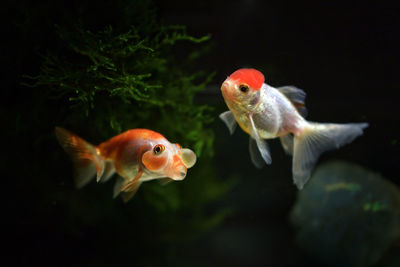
100, 80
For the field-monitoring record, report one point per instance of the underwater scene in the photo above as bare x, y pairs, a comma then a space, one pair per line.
201, 133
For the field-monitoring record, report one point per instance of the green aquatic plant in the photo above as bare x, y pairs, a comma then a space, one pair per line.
375, 206
133, 79
118, 81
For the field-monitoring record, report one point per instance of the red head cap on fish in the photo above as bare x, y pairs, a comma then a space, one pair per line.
251, 77
241, 90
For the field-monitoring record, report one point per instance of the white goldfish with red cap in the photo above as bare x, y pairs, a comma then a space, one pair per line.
137, 155
265, 112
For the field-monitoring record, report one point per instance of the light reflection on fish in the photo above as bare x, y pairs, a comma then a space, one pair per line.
137, 155
265, 112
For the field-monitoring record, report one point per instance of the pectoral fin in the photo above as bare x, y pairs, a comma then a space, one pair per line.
133, 184
229, 120
255, 155
127, 195
165, 181
261, 144
127, 189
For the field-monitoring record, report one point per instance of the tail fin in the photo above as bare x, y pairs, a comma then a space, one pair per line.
316, 139
86, 159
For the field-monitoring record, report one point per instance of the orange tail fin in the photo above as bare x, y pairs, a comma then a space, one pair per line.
86, 160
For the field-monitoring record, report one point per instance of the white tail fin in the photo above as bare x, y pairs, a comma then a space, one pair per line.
317, 138
84, 155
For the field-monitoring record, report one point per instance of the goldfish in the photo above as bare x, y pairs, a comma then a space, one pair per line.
137, 155
265, 112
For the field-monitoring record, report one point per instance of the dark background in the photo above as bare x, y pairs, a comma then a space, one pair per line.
344, 55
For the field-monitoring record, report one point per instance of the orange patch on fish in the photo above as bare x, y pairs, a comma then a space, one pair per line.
176, 158
153, 162
110, 148
252, 77
177, 162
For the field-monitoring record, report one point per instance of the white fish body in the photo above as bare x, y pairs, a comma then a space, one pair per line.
265, 112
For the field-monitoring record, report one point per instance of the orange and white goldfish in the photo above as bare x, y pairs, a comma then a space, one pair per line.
265, 112
137, 155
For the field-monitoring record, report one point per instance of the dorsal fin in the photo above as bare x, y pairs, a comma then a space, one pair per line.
296, 96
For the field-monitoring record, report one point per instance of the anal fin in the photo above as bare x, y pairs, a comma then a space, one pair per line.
261, 144
229, 120
109, 171
287, 143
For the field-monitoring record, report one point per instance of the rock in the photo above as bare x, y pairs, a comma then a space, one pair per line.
347, 215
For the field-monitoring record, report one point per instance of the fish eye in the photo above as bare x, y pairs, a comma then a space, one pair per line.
244, 88
158, 149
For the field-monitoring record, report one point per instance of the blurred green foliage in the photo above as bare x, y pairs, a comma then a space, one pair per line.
131, 79
99, 81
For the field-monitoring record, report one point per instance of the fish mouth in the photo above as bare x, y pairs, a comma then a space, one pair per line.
225, 90
181, 162
180, 173
179, 168
224, 86
229, 93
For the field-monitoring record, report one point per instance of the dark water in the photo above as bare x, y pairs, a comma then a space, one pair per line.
345, 56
